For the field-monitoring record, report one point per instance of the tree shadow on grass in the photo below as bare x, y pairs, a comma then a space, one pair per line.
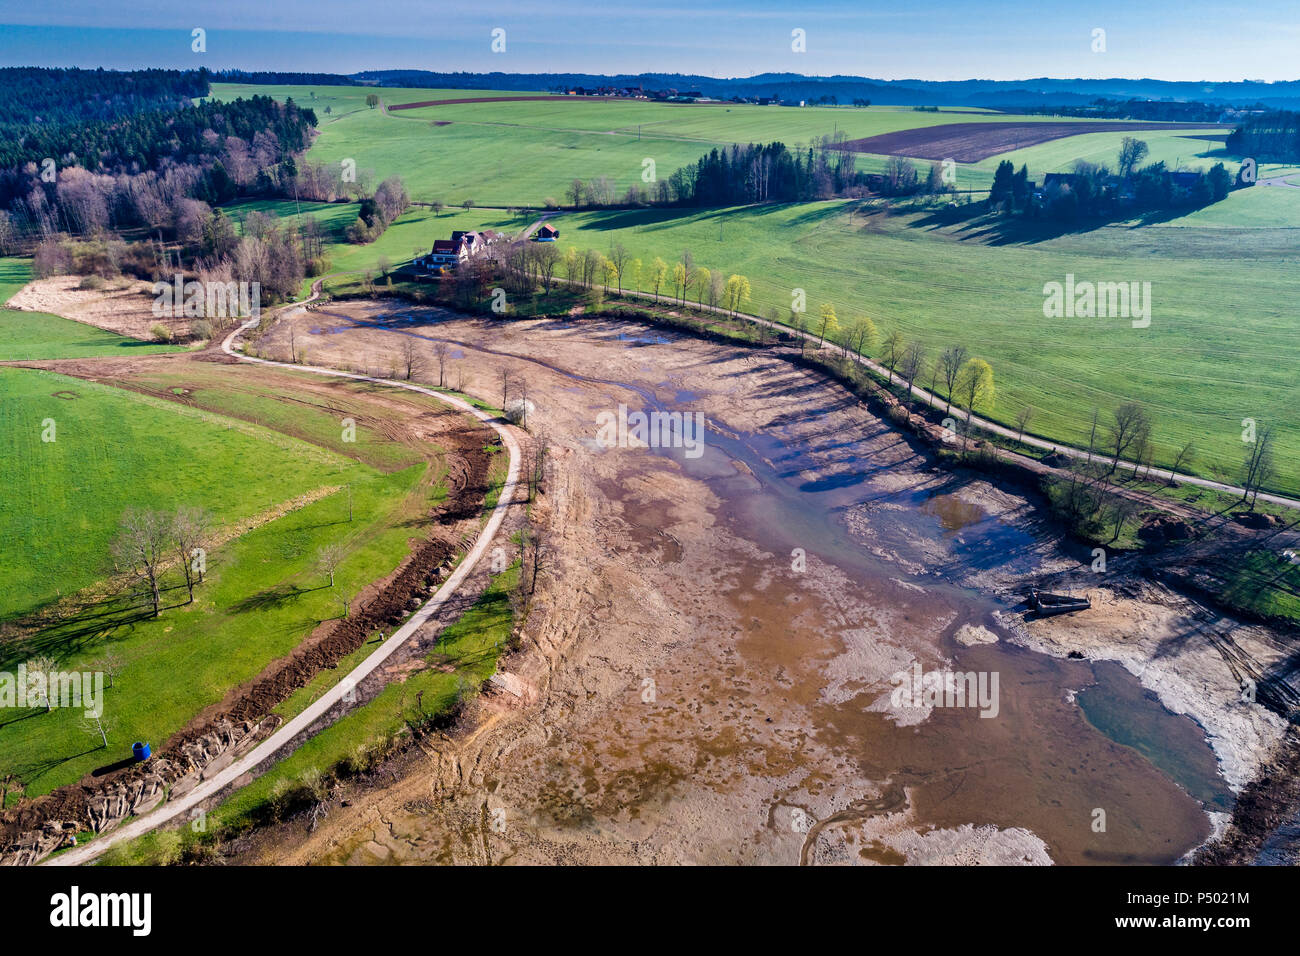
271, 598
33, 771
27, 714
112, 767
71, 634
974, 223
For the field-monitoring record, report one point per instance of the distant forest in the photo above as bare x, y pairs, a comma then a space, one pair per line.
767, 172
31, 96
142, 140
1006, 95
1270, 138
1164, 111
284, 79
106, 174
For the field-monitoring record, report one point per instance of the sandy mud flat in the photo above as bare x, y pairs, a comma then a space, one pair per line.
126, 307
731, 649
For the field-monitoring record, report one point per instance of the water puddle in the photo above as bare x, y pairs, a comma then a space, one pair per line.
1122, 709
643, 339
953, 513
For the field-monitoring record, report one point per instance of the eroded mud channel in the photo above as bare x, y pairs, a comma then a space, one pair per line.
718, 648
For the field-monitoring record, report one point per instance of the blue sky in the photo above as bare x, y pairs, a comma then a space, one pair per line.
926, 39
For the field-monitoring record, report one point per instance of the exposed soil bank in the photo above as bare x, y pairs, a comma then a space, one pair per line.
720, 638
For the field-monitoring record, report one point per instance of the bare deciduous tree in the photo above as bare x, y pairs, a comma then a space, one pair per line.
952, 359
1025, 416
189, 529
506, 381
1182, 461
328, 560
140, 545
548, 260
440, 353
1131, 425
536, 465
1092, 431
412, 360
1122, 508
110, 665
95, 727
1258, 467
40, 671
913, 362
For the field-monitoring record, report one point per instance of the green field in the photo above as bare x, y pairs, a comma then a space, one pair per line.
511, 153
113, 450
1221, 345
33, 336
1261, 207
466, 656
116, 449
1177, 149
14, 274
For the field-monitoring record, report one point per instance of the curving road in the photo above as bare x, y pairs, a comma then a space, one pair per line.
287, 732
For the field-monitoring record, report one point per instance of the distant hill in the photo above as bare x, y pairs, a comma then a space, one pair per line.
997, 94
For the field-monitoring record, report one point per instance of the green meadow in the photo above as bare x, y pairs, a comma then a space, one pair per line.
1177, 149
263, 593
512, 153
1221, 345
34, 336
465, 657
113, 450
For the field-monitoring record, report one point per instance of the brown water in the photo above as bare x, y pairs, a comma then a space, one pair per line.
1040, 764
754, 686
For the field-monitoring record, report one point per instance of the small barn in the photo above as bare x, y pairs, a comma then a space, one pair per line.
547, 233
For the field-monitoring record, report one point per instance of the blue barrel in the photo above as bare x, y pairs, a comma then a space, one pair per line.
141, 751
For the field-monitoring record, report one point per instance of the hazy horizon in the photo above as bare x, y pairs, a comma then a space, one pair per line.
933, 40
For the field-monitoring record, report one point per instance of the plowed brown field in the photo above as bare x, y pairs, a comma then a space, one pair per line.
972, 142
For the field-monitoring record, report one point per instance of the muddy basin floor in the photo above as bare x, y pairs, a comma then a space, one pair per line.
726, 643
